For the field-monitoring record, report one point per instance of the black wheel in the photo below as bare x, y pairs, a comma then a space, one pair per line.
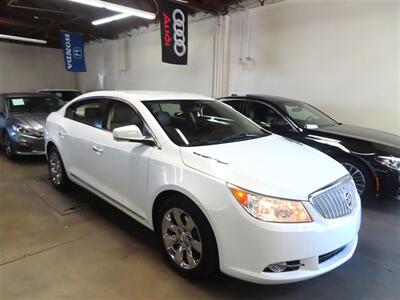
362, 177
58, 176
186, 238
9, 148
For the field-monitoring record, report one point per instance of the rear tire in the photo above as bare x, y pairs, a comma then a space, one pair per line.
362, 177
58, 176
186, 238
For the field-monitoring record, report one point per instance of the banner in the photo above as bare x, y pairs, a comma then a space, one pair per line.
73, 49
174, 33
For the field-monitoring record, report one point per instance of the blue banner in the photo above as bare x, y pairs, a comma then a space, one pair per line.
73, 49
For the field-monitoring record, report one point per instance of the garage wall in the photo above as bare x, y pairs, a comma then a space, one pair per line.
29, 68
342, 56
144, 69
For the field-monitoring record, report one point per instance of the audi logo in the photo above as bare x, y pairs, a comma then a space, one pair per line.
178, 25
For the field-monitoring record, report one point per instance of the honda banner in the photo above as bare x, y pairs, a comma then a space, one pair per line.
174, 33
73, 49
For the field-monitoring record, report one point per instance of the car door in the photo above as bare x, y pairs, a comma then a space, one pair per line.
83, 123
120, 168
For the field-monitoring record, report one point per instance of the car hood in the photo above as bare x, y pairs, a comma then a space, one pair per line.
273, 165
33, 121
366, 134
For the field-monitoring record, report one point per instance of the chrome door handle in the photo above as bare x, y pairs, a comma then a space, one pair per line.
97, 149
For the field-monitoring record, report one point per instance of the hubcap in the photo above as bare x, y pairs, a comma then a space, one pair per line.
55, 168
181, 238
358, 177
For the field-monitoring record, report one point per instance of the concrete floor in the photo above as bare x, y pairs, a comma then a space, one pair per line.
93, 251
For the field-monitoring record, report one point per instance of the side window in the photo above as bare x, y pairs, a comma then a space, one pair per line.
121, 114
236, 104
264, 115
89, 112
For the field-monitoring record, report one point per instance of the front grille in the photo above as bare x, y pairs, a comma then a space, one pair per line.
327, 256
337, 200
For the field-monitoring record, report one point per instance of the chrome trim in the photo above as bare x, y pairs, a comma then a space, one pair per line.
33, 153
335, 200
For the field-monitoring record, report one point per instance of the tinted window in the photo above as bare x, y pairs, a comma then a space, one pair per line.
90, 112
121, 114
202, 122
236, 104
45, 104
305, 115
264, 115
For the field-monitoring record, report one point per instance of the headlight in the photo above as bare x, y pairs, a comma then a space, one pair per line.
26, 131
389, 161
271, 209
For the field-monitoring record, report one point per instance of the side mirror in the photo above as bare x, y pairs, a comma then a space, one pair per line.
131, 133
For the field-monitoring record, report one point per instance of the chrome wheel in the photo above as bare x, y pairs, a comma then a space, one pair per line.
7, 145
55, 168
181, 238
358, 177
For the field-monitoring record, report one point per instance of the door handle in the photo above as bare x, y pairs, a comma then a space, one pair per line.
97, 149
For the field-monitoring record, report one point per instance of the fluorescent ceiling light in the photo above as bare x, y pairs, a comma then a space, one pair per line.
118, 8
22, 39
111, 19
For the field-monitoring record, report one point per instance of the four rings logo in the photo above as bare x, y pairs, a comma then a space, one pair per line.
178, 35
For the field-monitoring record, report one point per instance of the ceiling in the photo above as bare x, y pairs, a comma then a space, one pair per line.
43, 19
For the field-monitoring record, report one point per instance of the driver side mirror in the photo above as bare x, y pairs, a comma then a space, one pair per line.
131, 133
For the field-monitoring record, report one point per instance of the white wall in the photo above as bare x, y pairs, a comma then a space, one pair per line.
28, 68
342, 56
145, 69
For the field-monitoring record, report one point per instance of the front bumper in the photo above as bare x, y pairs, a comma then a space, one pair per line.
28, 145
247, 246
389, 181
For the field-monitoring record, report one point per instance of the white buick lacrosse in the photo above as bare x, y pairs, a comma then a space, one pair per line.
220, 192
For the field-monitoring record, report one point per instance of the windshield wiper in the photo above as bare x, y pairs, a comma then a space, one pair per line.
241, 136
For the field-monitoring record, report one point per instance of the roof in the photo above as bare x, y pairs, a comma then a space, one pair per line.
262, 97
58, 90
13, 95
142, 95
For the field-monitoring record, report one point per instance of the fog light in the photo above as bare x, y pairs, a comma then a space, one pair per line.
278, 267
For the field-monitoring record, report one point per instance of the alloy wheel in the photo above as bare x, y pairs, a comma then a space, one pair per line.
181, 238
55, 168
358, 177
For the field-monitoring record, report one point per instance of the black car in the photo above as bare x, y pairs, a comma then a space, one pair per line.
22, 120
372, 157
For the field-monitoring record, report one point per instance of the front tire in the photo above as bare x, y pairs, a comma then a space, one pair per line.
9, 148
362, 177
186, 238
58, 176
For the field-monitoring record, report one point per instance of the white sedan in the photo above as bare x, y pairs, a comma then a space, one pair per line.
220, 192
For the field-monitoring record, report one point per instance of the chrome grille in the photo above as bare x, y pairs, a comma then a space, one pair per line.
337, 200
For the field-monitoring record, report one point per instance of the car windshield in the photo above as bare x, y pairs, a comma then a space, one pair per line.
45, 104
202, 122
306, 116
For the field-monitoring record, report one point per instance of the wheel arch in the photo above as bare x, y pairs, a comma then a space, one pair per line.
166, 194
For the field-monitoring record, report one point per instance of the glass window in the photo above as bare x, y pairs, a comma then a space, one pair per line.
264, 115
90, 112
236, 104
45, 104
304, 115
202, 122
121, 114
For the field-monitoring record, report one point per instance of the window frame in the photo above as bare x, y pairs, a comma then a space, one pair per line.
75, 102
293, 126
